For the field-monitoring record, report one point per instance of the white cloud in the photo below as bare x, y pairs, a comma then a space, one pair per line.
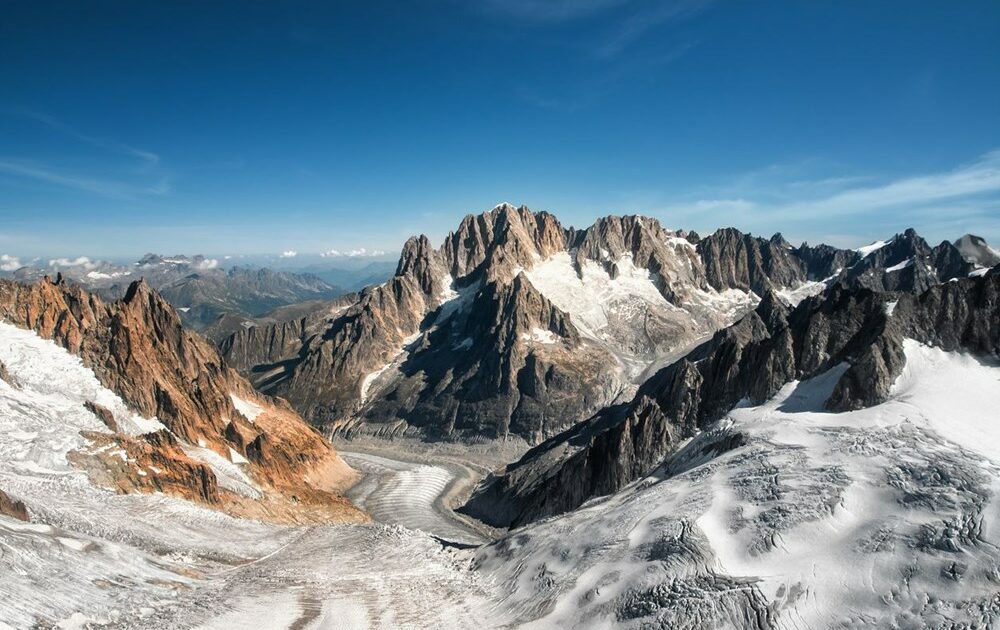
81, 261
979, 177
359, 252
207, 263
9, 263
779, 198
289, 254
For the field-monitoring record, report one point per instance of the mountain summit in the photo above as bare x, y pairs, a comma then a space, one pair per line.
517, 326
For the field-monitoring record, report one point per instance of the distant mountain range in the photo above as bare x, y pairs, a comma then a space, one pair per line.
211, 299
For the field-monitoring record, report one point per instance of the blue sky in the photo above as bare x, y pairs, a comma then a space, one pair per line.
253, 127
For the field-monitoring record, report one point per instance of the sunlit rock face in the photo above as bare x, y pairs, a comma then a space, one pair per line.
517, 326
153, 396
748, 362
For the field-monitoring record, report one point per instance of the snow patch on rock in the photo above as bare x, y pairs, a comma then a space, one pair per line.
249, 409
593, 296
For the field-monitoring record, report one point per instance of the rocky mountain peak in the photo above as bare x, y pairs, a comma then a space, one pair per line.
779, 240
906, 262
419, 261
503, 238
138, 349
736, 260
569, 319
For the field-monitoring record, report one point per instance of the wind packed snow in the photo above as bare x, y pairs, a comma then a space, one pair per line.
592, 299
930, 379
540, 335
867, 249
883, 517
249, 409
900, 266
53, 381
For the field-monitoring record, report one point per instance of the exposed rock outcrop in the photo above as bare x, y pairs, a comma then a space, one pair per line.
823, 261
7, 377
907, 263
12, 507
138, 349
461, 342
858, 329
736, 260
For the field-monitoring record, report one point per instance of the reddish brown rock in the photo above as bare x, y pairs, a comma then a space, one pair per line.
103, 414
12, 507
7, 377
138, 349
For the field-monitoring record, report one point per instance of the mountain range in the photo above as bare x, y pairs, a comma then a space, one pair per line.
209, 298
624, 425
517, 327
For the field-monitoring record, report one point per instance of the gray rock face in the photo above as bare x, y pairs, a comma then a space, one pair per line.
7, 377
907, 263
461, 344
858, 328
485, 337
736, 260
824, 261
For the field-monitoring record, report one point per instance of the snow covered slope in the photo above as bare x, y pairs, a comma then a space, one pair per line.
779, 516
78, 552
784, 515
628, 314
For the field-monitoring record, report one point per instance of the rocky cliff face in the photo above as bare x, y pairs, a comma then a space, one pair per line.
514, 326
519, 326
138, 349
736, 260
857, 329
907, 263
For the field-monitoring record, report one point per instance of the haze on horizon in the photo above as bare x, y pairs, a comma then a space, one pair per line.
234, 128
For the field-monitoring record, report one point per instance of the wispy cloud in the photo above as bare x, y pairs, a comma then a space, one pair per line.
646, 18
549, 10
146, 157
597, 85
966, 197
352, 253
121, 172
623, 22
103, 187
